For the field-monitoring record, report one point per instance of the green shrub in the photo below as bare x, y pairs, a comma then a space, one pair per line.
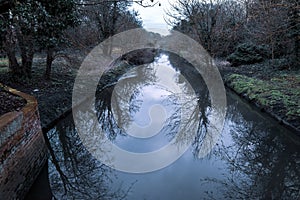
248, 53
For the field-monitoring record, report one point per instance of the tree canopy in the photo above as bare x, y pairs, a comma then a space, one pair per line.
29, 26
221, 26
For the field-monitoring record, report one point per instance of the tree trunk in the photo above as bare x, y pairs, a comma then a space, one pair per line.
26, 44
10, 46
13, 63
49, 61
28, 65
294, 24
272, 48
297, 45
296, 52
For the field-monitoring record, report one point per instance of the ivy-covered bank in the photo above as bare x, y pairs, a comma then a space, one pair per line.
278, 95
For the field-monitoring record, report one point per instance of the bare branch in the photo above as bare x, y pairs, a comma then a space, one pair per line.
139, 2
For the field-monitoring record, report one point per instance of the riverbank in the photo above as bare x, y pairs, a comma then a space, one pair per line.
273, 89
55, 96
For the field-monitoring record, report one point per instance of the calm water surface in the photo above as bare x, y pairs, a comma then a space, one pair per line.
253, 158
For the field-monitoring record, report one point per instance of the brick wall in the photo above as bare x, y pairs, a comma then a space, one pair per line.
22, 149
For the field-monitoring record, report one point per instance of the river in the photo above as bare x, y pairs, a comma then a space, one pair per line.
254, 157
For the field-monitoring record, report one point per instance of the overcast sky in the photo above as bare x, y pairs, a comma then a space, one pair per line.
153, 17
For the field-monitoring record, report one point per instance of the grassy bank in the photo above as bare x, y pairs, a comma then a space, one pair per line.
278, 95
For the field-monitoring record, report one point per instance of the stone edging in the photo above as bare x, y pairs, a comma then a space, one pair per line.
22, 148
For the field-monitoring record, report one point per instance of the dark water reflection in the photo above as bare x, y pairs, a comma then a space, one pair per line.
254, 157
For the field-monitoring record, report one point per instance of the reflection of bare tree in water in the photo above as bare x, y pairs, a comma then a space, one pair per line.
143, 76
104, 93
202, 111
73, 172
263, 165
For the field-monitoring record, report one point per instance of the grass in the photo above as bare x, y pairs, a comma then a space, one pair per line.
281, 94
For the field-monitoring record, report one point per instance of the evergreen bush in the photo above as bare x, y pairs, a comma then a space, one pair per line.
248, 53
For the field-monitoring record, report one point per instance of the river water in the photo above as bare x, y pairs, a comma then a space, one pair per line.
254, 157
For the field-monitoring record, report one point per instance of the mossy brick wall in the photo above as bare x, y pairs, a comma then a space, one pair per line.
22, 149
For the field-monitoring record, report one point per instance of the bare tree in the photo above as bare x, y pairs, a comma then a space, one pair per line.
222, 25
212, 23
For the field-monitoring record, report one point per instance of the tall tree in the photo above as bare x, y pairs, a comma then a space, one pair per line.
276, 24
102, 20
57, 17
29, 24
212, 23
222, 25
8, 42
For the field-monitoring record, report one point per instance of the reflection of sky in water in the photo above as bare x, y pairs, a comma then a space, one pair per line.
150, 96
157, 98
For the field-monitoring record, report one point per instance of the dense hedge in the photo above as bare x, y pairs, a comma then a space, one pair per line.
248, 53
